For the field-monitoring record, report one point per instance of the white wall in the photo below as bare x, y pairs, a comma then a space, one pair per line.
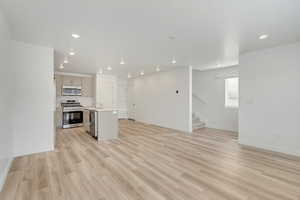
270, 99
34, 99
209, 86
6, 146
156, 101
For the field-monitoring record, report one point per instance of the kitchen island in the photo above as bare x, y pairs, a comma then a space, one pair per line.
103, 123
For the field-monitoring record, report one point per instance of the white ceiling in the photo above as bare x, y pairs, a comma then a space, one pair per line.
207, 32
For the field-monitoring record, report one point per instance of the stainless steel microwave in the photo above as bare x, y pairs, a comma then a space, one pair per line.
71, 90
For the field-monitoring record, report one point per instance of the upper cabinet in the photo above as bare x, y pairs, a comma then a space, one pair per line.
72, 81
59, 83
87, 84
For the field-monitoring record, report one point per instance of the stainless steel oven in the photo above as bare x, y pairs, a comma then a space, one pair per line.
72, 114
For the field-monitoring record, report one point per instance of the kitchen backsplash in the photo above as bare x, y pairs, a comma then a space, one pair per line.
85, 101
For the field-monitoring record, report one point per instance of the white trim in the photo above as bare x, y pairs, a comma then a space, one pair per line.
3, 176
73, 74
231, 74
268, 147
231, 107
202, 69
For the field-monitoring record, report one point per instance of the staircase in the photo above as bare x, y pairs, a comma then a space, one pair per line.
197, 123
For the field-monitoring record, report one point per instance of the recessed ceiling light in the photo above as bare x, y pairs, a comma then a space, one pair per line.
129, 75
264, 36
173, 61
76, 36
122, 61
100, 71
61, 66
109, 68
72, 53
66, 61
142, 73
157, 69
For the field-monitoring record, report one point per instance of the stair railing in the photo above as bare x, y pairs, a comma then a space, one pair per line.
198, 98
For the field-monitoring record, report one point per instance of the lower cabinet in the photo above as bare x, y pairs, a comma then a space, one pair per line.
88, 86
86, 120
58, 118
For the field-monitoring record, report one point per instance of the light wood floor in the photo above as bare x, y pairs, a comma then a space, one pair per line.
154, 163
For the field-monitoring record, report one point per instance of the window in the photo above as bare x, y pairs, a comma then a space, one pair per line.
232, 92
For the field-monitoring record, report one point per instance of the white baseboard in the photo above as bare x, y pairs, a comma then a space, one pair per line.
271, 148
5, 172
34, 151
208, 125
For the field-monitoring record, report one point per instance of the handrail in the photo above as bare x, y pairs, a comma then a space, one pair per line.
198, 98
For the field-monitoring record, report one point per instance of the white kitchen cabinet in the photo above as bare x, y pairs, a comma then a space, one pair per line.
58, 84
106, 91
76, 81
87, 83
108, 125
131, 101
58, 118
86, 120
122, 97
67, 80
104, 123
72, 81
87, 86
